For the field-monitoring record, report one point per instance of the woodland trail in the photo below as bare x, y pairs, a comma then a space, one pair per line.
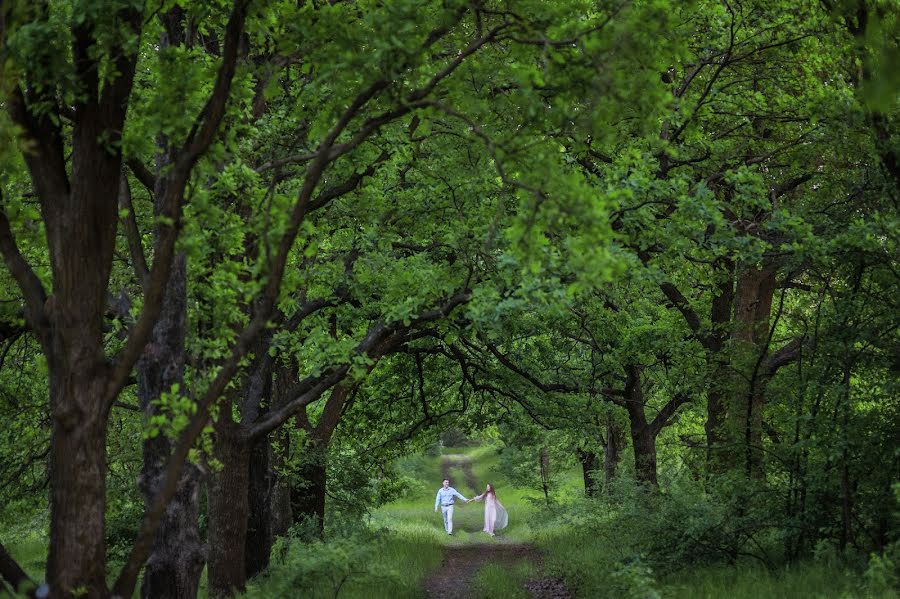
464, 463
453, 579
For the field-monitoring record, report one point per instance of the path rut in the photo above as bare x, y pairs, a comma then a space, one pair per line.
453, 580
464, 463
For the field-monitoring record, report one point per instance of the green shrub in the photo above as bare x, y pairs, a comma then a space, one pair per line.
882, 576
366, 564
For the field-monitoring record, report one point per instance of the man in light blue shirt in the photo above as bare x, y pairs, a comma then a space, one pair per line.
446, 496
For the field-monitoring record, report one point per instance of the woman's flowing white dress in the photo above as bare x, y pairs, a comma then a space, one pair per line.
495, 515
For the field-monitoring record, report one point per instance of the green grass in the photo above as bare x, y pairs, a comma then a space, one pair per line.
416, 508
27, 542
592, 566
800, 581
390, 565
505, 581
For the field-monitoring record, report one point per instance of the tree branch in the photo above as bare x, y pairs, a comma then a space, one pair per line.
667, 411
782, 357
132, 233
380, 340
11, 572
171, 209
142, 174
545, 387
28, 282
790, 185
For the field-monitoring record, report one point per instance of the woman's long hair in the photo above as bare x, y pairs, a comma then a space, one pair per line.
489, 490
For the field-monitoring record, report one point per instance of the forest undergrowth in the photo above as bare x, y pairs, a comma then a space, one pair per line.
626, 544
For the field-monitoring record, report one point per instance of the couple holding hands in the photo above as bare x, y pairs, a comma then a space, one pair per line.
495, 516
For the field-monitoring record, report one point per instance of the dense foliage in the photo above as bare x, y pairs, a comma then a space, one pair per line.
256, 251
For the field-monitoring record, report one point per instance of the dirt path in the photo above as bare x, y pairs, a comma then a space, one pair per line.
464, 463
453, 580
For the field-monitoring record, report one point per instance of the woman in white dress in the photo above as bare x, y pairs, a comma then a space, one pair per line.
495, 516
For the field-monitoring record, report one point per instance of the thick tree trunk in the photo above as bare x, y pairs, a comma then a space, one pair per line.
81, 234
77, 559
308, 491
280, 504
308, 494
228, 512
259, 524
717, 394
644, 444
643, 438
258, 389
589, 464
612, 454
846, 498
545, 473
282, 516
176, 561
752, 313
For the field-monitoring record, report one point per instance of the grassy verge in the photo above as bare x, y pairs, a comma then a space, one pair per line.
593, 566
808, 579
387, 564
503, 581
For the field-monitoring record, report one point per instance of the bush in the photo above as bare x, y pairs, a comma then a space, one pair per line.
365, 563
882, 576
684, 543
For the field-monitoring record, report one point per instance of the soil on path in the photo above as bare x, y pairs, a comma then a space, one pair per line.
454, 578
464, 463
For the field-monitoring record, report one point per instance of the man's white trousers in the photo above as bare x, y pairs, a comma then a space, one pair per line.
447, 511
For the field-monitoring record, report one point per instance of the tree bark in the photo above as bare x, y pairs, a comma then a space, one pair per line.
846, 497
257, 396
589, 463
545, 473
612, 455
77, 558
280, 505
282, 516
176, 561
308, 495
178, 555
259, 524
228, 510
81, 234
717, 394
80, 217
308, 492
754, 293
643, 438
644, 444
